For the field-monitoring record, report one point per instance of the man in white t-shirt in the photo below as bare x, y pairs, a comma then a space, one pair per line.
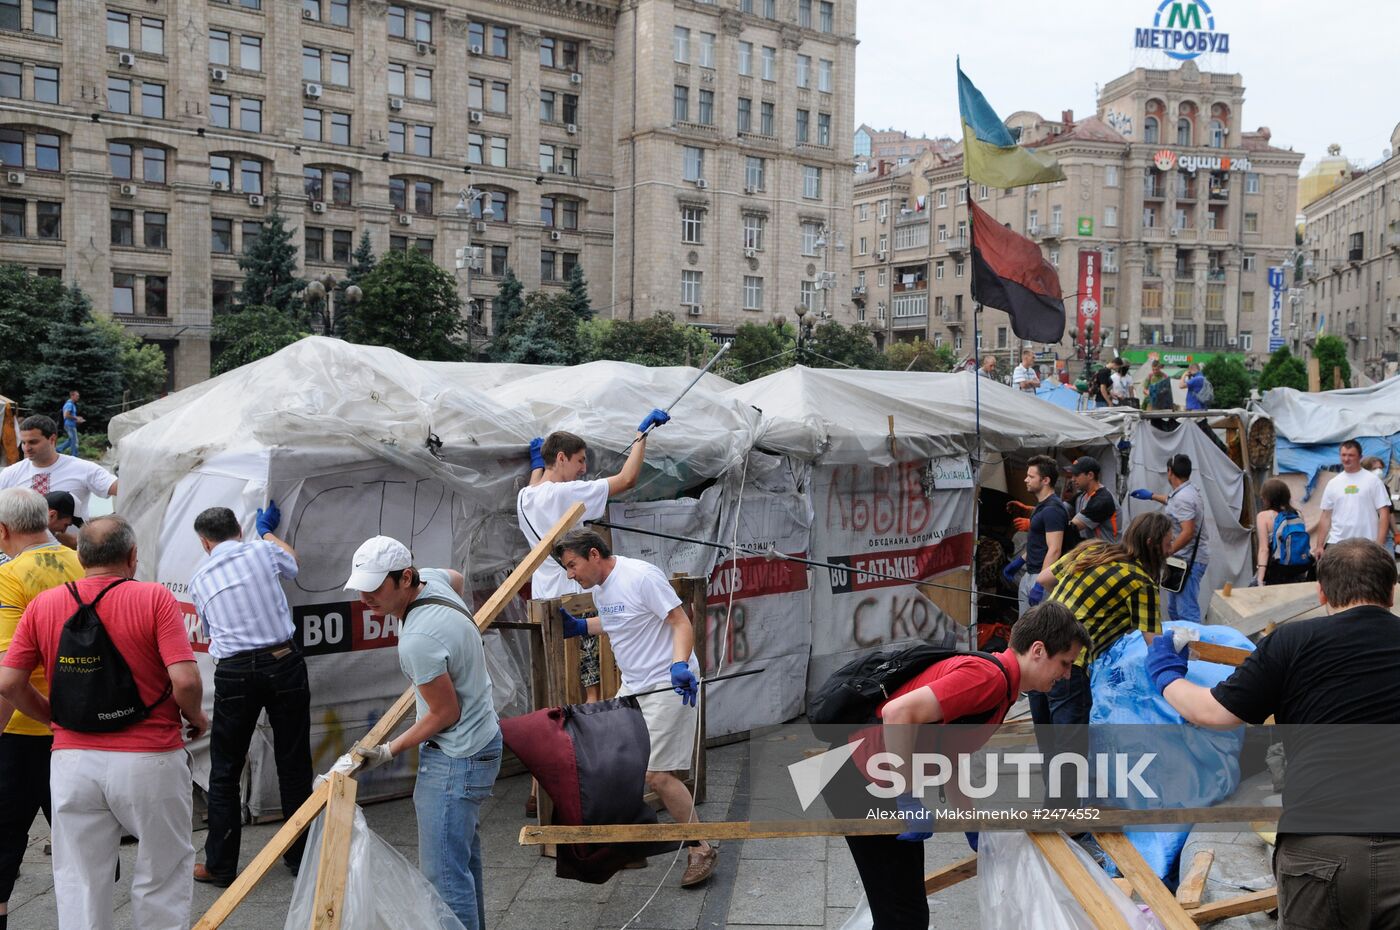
1025, 377
654, 645
1355, 504
44, 470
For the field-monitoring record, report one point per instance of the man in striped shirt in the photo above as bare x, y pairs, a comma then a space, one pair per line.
257, 665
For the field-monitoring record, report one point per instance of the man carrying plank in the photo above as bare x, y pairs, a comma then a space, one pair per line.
1337, 861
654, 643
441, 653
1044, 645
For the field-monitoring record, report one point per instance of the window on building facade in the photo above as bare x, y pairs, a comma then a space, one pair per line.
746, 59
123, 293
691, 224
250, 53
119, 160
706, 110
692, 163
153, 100
1251, 182
680, 107
691, 284
826, 16
1251, 222
221, 235
753, 231
765, 119
803, 118
755, 171
49, 219
118, 95
753, 292
770, 63
680, 44
825, 81
1110, 176
811, 182
250, 115
823, 129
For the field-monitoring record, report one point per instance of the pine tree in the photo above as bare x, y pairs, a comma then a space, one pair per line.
505, 310
270, 269
577, 295
362, 262
79, 354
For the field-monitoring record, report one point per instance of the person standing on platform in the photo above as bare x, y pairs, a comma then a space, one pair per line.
1025, 377
258, 665
1355, 504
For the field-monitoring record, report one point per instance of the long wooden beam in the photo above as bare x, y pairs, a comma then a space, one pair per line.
950, 875
1211, 652
332, 872
1193, 885
1145, 882
1251, 903
299, 821
536, 835
1099, 906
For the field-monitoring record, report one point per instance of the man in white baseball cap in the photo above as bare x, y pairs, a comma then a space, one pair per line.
441, 653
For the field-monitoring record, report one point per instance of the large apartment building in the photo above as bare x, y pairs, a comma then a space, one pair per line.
1351, 268
1185, 209
144, 143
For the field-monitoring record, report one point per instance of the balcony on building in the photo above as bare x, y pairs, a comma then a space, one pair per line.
1153, 187
910, 279
907, 217
1219, 185
1054, 230
858, 294
1185, 186
956, 243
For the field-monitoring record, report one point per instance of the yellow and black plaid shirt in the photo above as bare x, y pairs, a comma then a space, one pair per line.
1110, 600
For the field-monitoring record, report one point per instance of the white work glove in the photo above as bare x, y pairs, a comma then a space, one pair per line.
375, 756
345, 765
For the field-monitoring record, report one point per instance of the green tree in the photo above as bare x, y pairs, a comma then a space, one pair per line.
1230, 379
832, 345
253, 333
270, 268
656, 341
1284, 369
25, 300
545, 333
410, 305
142, 364
77, 353
1331, 353
577, 295
362, 262
509, 303
759, 349
919, 356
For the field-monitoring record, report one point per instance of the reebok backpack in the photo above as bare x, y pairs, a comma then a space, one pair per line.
1206, 394
92, 690
854, 691
1290, 541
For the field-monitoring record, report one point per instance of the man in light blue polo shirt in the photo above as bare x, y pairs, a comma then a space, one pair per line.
441, 653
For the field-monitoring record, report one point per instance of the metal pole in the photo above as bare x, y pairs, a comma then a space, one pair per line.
694, 381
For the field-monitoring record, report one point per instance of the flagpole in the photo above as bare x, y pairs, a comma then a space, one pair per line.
973, 637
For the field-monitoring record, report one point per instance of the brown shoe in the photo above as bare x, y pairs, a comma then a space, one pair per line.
201, 874
701, 866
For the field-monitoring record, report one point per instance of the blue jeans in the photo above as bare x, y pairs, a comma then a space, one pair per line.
70, 444
1185, 605
447, 800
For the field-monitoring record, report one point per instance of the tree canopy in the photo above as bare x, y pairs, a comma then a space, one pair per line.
1230, 379
270, 268
410, 305
1284, 369
1331, 353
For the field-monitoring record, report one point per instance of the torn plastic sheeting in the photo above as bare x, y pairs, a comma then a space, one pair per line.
383, 890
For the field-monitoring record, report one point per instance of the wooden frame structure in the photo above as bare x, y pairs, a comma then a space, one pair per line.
337, 795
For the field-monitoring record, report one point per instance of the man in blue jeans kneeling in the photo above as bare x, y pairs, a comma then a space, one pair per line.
441, 652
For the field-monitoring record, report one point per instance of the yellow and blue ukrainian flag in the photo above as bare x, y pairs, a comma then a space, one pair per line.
990, 155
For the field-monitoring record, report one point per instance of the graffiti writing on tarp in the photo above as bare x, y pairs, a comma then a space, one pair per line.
892, 618
725, 645
885, 502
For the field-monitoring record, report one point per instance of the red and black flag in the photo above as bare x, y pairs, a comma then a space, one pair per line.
591, 759
1009, 273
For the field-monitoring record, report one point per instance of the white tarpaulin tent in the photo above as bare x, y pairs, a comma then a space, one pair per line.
1331, 417
902, 508
345, 438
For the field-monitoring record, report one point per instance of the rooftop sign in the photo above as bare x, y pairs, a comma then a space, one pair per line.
1184, 29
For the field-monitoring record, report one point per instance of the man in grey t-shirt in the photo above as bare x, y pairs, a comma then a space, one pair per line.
1190, 535
441, 653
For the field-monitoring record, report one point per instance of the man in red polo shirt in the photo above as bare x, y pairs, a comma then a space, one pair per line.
133, 780
966, 689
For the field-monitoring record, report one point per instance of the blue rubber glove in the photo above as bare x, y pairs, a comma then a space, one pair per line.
972, 840
1142, 494
536, 453
684, 683
915, 816
1012, 567
1164, 664
267, 519
1035, 595
573, 626
655, 418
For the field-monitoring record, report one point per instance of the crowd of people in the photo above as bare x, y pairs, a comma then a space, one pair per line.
1113, 385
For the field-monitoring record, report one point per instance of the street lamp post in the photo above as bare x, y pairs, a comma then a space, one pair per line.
320, 297
828, 278
467, 258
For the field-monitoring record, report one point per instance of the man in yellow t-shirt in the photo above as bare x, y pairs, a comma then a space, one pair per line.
37, 563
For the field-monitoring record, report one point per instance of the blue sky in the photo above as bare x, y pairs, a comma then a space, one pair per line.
1313, 79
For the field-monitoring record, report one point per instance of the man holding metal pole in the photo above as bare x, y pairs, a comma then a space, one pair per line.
654, 643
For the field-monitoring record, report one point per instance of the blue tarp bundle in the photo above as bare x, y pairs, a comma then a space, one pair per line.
1061, 395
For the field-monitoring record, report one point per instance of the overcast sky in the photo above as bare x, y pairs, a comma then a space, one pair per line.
1314, 74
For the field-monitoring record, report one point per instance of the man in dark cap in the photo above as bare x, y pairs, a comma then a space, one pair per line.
1095, 511
61, 517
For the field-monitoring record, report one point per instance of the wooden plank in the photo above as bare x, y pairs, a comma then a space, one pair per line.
1210, 652
1124, 885
1314, 375
285, 837
1193, 885
333, 870
1055, 848
786, 829
950, 875
248, 879
1251, 903
1169, 913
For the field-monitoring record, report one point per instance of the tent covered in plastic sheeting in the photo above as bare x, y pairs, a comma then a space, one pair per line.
901, 506
354, 441
1310, 428
840, 416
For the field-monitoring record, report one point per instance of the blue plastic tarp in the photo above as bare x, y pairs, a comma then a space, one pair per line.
1060, 395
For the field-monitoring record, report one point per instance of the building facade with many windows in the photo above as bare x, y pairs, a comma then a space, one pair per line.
1186, 210
144, 144
1350, 263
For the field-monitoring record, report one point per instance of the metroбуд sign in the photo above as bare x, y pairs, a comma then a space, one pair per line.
1184, 29
1166, 160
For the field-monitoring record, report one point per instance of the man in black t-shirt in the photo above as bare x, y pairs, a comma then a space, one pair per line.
1095, 511
1045, 536
1101, 387
1337, 861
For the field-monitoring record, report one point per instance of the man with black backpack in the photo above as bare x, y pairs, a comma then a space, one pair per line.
121, 675
971, 688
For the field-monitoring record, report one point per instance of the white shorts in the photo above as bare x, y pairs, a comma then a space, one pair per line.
671, 727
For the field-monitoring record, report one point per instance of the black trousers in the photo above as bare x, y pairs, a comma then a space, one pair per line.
892, 873
24, 791
243, 688
1061, 716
